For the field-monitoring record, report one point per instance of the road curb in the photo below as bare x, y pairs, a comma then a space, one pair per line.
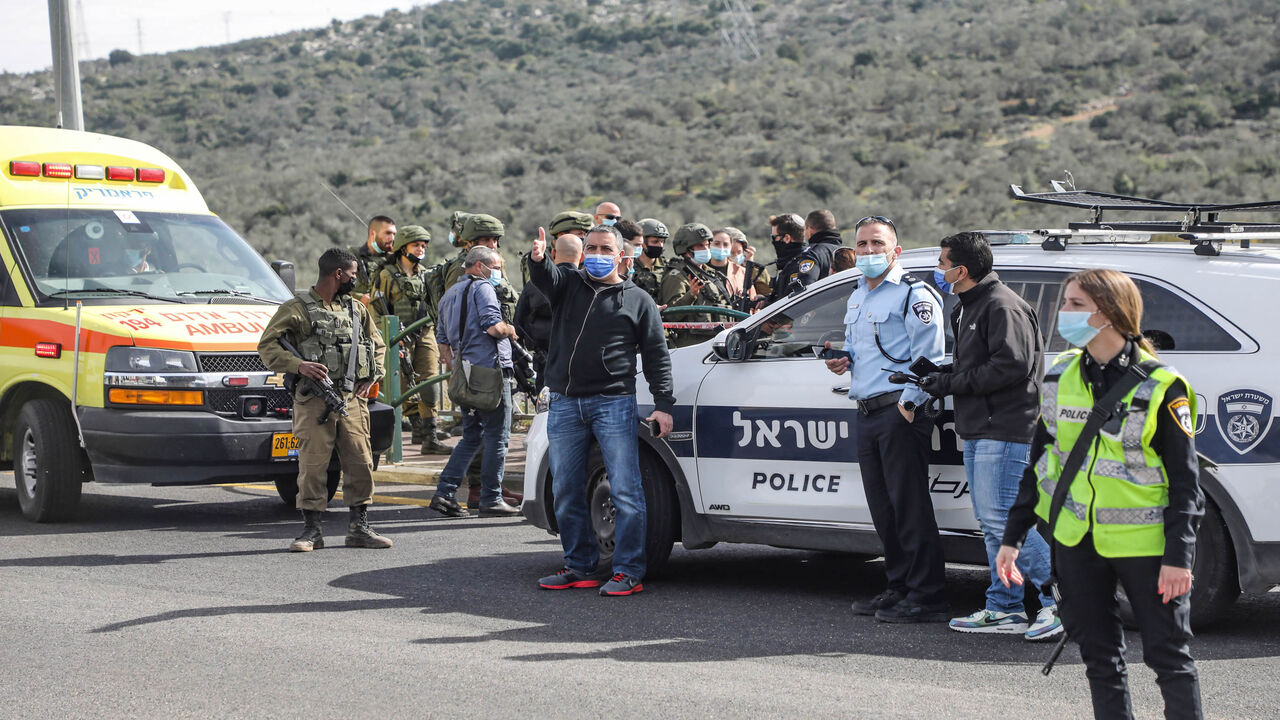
406, 476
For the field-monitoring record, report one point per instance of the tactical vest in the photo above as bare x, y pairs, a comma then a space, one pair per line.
1122, 489
650, 280
330, 338
410, 291
713, 290
367, 268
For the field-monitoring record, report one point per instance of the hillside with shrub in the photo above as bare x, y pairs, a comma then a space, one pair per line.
921, 110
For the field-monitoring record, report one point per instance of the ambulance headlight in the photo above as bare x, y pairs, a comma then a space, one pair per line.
128, 359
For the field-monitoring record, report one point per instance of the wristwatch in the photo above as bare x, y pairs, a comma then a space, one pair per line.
907, 405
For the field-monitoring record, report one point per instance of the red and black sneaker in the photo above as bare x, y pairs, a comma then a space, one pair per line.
566, 578
621, 584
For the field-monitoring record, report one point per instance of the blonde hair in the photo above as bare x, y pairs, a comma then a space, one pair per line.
1118, 299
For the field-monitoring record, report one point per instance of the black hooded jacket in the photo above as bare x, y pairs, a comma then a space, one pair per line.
810, 265
596, 332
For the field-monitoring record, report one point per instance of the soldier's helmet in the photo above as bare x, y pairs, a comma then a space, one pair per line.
653, 228
689, 235
478, 226
408, 234
570, 220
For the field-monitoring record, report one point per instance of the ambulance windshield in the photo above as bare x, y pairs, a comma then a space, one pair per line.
119, 254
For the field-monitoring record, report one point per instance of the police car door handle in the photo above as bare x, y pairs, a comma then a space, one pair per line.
840, 389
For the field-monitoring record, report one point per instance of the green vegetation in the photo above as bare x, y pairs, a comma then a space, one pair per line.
924, 111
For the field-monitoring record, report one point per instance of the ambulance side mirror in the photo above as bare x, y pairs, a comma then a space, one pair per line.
284, 269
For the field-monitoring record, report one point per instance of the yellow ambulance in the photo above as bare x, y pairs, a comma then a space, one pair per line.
129, 321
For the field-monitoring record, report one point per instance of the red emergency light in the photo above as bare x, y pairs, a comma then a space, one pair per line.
57, 170
49, 350
25, 168
152, 175
120, 173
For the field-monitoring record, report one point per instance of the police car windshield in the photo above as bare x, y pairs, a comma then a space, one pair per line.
94, 255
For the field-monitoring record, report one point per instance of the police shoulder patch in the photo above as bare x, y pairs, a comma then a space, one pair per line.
924, 311
1181, 411
806, 266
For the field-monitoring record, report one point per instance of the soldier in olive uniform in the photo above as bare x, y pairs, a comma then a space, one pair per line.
338, 341
401, 287
688, 281
650, 265
373, 255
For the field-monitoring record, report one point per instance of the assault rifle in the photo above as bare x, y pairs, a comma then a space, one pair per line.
333, 400
744, 302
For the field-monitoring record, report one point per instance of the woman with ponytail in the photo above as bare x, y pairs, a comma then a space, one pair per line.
1133, 503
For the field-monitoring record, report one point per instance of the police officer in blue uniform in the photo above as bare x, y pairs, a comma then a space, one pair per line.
891, 320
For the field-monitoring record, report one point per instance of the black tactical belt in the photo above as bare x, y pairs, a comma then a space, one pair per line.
870, 405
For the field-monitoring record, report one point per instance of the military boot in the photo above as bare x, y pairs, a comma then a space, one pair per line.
311, 538
431, 444
419, 431
359, 534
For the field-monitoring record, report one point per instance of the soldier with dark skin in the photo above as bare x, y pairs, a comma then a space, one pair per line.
401, 289
690, 281
650, 265
373, 255
339, 342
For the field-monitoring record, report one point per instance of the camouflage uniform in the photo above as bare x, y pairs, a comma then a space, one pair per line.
675, 290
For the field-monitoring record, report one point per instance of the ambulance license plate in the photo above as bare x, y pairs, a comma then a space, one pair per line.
284, 446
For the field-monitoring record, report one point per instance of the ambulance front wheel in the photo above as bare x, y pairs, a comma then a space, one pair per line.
662, 510
48, 467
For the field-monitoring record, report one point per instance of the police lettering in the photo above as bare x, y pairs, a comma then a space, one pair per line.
793, 483
1073, 414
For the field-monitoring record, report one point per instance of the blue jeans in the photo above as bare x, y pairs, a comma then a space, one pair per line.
612, 420
995, 468
492, 430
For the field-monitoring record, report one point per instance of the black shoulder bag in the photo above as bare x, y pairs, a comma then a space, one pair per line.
1102, 411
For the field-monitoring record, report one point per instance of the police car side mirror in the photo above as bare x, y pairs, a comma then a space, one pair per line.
284, 269
736, 345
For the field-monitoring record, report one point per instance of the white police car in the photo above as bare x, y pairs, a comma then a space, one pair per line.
761, 450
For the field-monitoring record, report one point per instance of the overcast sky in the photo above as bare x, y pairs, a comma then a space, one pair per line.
167, 25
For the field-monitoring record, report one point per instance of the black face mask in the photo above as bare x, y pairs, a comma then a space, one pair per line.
346, 287
654, 251
413, 258
787, 250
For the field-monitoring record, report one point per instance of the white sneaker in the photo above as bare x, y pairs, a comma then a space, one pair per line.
1047, 625
988, 621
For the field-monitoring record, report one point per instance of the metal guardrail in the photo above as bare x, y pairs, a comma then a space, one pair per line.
391, 393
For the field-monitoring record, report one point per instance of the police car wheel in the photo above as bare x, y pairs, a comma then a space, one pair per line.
662, 511
1216, 585
287, 486
48, 476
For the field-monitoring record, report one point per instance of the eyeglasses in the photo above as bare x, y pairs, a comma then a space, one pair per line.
882, 220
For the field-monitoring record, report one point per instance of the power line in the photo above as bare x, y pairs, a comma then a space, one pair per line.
738, 31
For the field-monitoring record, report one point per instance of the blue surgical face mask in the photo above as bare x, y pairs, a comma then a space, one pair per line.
1074, 327
636, 250
740, 258
452, 239
133, 257
495, 277
598, 266
719, 254
609, 221
873, 266
940, 279
702, 256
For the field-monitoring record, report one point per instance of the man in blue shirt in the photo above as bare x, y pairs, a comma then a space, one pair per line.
891, 320
483, 339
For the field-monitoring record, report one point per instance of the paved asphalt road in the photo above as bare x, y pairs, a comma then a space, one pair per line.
180, 602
